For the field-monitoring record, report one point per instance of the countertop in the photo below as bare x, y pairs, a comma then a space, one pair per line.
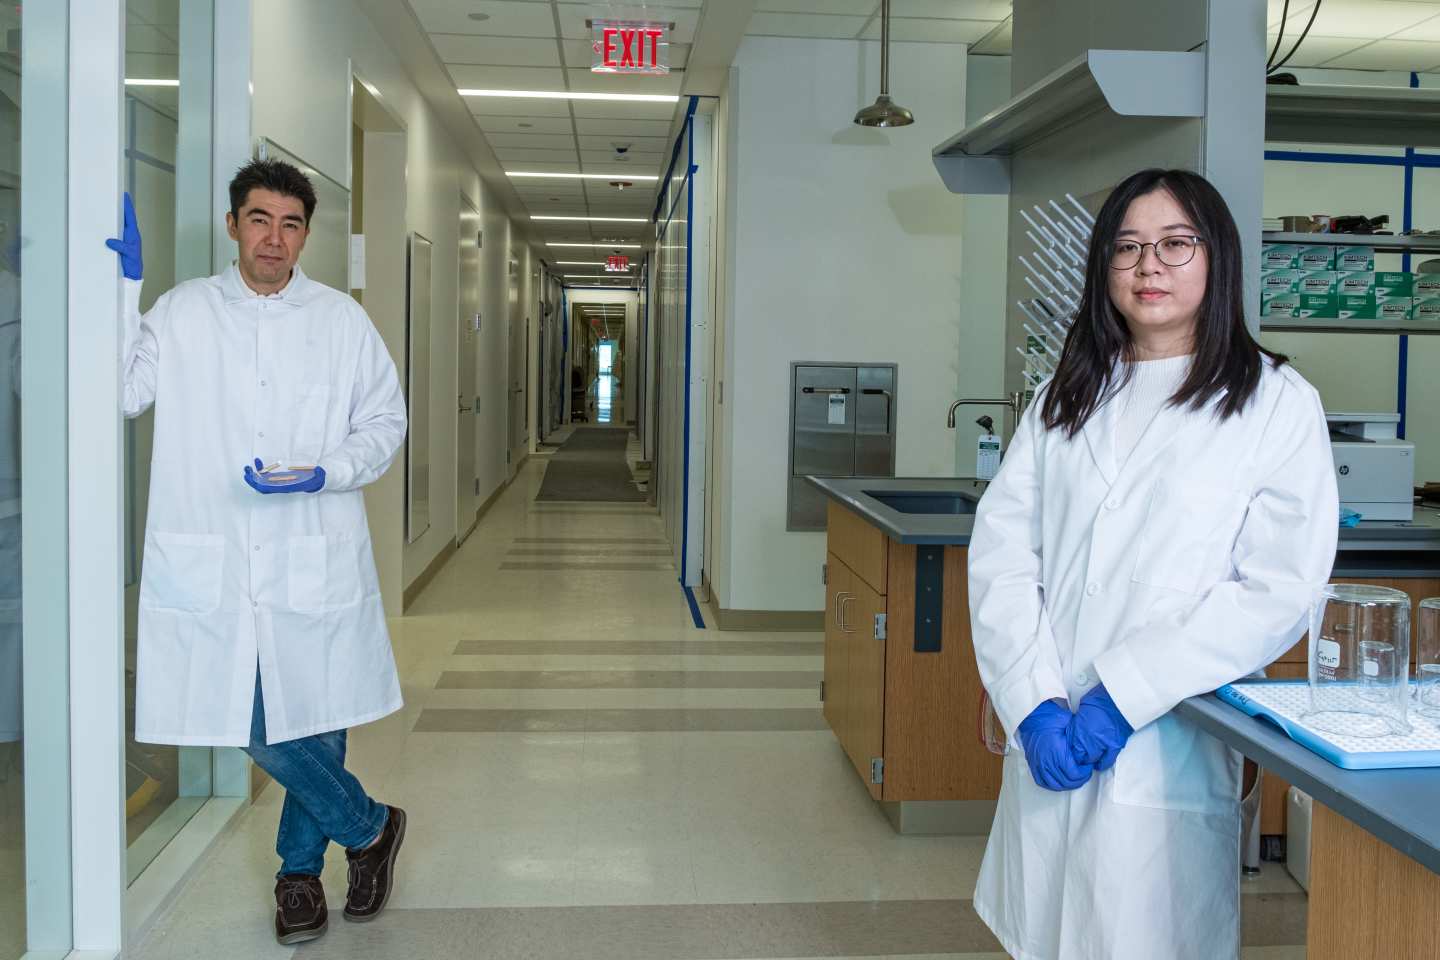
1376, 549
1398, 806
921, 528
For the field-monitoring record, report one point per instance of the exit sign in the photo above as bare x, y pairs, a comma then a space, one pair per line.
630, 46
617, 264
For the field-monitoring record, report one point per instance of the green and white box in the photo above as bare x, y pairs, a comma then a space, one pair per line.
1281, 305
1279, 256
1426, 310
1319, 305
1320, 283
1426, 284
1355, 306
1355, 284
1354, 259
1274, 282
1389, 286
1394, 310
1319, 256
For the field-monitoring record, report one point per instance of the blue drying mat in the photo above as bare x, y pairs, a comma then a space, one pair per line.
1284, 703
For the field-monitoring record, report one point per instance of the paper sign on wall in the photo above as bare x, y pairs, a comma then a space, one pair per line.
357, 261
631, 47
836, 409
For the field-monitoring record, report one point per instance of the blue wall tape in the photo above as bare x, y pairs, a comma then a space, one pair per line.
689, 267
694, 608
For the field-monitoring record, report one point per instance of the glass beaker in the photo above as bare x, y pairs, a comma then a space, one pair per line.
1360, 661
1427, 663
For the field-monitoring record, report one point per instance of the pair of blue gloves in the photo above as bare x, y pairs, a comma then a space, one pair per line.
1064, 749
256, 478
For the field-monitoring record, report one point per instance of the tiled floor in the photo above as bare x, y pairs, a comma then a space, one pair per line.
589, 776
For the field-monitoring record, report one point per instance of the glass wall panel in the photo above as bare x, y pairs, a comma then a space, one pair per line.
165, 786
12, 781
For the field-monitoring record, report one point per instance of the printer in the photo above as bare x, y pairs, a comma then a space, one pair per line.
1373, 467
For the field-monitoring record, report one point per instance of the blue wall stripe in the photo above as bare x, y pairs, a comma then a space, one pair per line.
694, 609
689, 270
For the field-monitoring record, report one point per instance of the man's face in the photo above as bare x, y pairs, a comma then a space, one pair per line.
270, 232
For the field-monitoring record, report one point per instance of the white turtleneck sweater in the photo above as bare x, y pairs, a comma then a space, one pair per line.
1152, 384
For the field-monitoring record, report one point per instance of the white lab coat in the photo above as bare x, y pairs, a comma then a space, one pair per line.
233, 577
1189, 567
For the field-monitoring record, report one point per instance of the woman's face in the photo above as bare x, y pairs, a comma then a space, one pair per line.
1160, 303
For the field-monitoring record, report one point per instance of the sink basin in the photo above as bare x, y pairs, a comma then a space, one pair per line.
924, 501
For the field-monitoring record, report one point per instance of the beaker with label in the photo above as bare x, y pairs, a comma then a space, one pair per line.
1360, 661
1427, 662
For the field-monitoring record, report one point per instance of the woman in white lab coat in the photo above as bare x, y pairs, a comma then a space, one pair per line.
1165, 516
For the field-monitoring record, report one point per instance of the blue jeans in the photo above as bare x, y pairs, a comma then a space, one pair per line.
323, 800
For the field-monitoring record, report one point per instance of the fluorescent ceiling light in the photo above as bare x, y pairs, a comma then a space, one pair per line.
141, 82
612, 246
595, 219
581, 176
579, 263
572, 95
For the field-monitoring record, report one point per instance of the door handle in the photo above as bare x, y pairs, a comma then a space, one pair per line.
462, 408
842, 599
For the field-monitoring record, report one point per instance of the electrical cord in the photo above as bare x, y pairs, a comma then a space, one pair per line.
1279, 38
1314, 12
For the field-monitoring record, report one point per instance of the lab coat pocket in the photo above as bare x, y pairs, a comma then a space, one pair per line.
1174, 765
308, 569
184, 572
312, 407
1189, 530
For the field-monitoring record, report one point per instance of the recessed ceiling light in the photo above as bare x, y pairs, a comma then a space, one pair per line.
141, 82
579, 176
595, 219
571, 95
618, 246
480, 16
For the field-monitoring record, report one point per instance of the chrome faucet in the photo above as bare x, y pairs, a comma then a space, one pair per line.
1014, 402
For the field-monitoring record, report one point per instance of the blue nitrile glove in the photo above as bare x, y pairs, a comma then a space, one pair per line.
256, 480
1044, 735
1100, 730
1349, 518
129, 245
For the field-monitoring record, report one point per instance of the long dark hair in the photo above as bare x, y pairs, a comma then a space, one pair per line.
1227, 359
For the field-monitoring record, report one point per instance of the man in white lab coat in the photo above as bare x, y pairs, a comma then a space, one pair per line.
1165, 517
261, 624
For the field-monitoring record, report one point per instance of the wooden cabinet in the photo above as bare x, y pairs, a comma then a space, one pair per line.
901, 685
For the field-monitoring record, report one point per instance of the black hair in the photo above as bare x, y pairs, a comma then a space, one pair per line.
1227, 358
274, 175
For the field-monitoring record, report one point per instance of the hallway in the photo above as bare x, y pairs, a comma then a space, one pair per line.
590, 776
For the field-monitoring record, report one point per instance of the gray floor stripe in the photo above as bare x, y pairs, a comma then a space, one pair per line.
642, 648
438, 720
575, 565
693, 932
590, 551
605, 540
628, 680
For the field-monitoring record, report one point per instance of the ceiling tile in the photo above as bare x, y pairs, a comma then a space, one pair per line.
647, 160
502, 124
157, 12
584, 80
1366, 19
1315, 50
932, 31
992, 10
648, 144
510, 51
152, 66
507, 78
622, 129
541, 141
517, 107
514, 156
146, 39
684, 16
1389, 55
805, 25
608, 110
506, 19
863, 8
1429, 30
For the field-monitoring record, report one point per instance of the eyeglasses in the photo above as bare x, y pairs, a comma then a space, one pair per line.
1171, 251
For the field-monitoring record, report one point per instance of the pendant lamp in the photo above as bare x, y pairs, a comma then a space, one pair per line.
884, 112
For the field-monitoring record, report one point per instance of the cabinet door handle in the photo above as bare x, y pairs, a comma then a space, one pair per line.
844, 599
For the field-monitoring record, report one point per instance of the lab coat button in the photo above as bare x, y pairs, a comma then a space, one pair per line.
1093, 589
257, 548
1113, 505
1082, 679
263, 383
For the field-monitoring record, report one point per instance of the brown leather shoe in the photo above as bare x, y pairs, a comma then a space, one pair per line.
300, 912
372, 870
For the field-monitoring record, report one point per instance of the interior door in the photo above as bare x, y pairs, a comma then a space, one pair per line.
515, 362
865, 668
467, 345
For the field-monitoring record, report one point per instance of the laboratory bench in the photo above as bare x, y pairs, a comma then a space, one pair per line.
1374, 842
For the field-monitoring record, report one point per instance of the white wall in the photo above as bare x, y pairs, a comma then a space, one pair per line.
843, 245
310, 49
1359, 372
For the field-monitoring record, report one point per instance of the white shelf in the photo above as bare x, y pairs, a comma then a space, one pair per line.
1335, 325
1371, 116
1382, 242
1126, 82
